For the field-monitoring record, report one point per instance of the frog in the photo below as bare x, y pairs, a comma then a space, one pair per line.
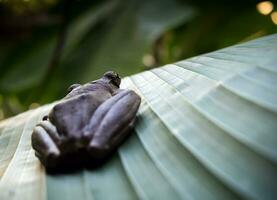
87, 125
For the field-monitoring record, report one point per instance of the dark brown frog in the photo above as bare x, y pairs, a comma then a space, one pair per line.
87, 125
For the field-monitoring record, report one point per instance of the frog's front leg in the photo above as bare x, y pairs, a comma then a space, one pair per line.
45, 141
111, 123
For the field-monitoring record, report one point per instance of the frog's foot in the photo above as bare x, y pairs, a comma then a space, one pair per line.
45, 142
111, 123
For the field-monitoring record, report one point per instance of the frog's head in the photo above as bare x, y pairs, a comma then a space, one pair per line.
112, 78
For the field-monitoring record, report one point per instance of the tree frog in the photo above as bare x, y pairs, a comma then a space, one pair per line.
87, 125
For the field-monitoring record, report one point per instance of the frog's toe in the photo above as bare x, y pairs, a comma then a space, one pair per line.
45, 148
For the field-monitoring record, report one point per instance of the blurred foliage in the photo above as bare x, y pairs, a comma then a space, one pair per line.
46, 45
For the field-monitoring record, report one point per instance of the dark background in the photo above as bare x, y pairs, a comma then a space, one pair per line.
46, 45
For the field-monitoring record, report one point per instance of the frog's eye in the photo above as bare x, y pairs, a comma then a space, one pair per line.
111, 75
72, 87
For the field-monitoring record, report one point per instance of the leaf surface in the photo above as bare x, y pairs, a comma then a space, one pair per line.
206, 129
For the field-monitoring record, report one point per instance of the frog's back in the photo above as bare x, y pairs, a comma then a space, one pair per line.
72, 114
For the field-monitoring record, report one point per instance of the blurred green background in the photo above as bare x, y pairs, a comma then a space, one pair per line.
46, 45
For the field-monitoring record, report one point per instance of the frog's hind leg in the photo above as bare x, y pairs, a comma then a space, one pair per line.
112, 123
45, 141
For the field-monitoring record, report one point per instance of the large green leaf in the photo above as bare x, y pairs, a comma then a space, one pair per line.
206, 129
